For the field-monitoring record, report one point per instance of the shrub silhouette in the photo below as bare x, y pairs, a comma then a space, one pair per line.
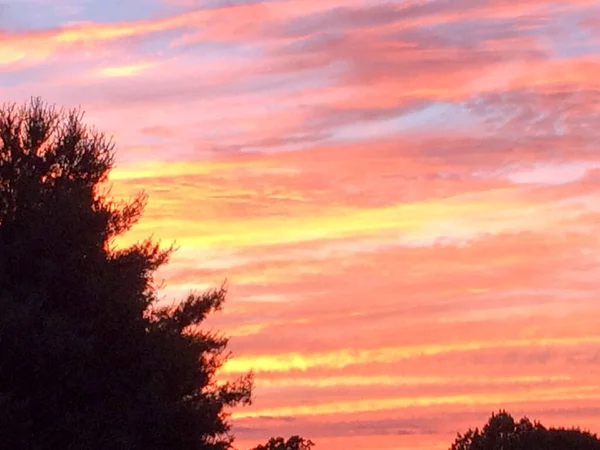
293, 443
502, 432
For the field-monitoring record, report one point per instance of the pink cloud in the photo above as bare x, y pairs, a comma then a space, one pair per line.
403, 197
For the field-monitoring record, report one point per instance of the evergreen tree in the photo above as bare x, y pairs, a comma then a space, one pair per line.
88, 359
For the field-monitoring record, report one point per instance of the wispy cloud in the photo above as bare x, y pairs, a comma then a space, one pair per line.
402, 194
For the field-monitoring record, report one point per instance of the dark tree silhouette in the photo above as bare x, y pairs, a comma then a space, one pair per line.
293, 443
88, 359
502, 432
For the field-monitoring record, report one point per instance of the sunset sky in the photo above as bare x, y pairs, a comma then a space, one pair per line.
404, 196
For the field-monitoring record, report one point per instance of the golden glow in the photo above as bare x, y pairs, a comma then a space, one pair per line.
408, 221
125, 71
539, 395
391, 380
346, 357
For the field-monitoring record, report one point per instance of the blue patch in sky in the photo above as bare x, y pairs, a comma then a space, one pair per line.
211, 4
28, 15
158, 43
436, 117
215, 50
574, 39
153, 140
119, 11
22, 16
26, 75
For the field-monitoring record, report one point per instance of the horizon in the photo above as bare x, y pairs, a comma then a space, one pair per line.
403, 195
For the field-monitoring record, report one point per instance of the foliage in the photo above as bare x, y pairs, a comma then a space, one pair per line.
293, 443
88, 359
502, 432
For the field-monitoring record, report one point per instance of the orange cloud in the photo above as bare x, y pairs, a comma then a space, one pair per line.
402, 196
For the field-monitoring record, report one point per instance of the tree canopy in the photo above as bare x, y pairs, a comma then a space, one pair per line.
502, 432
88, 358
293, 443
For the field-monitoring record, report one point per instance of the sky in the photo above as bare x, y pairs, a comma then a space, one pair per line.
404, 196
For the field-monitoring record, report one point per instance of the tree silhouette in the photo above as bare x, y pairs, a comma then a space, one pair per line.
502, 432
293, 443
88, 359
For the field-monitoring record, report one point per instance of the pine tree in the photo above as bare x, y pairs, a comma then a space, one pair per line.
88, 359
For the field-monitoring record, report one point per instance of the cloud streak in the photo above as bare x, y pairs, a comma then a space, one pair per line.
402, 195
